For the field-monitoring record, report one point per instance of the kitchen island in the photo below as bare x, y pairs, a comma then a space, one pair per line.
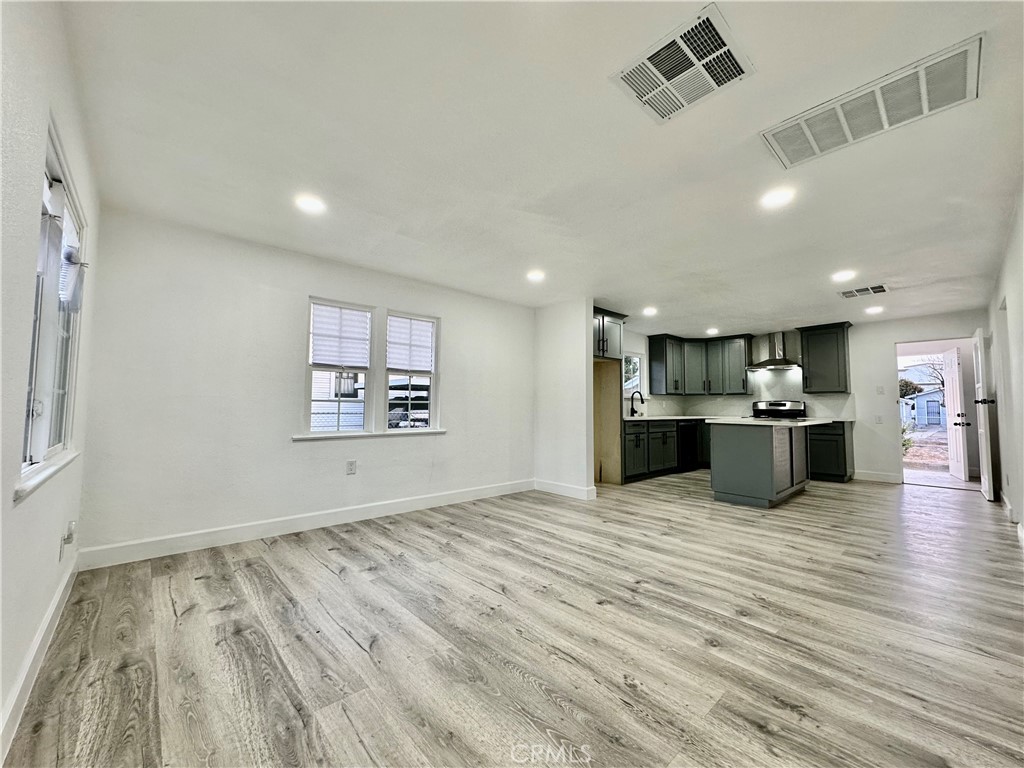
759, 462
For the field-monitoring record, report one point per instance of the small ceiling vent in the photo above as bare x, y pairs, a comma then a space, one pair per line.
694, 61
856, 293
941, 81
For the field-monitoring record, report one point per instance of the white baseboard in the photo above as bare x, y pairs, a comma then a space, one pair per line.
586, 493
143, 549
14, 707
1011, 515
878, 477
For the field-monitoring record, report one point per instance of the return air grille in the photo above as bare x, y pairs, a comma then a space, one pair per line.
856, 293
944, 80
693, 62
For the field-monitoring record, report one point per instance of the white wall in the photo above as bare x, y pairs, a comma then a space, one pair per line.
876, 447
1006, 359
199, 370
563, 417
36, 83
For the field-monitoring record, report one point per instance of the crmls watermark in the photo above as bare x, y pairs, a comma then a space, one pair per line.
565, 754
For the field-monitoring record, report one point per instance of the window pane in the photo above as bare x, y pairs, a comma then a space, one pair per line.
324, 417
323, 385
408, 402
630, 374
410, 344
337, 401
339, 336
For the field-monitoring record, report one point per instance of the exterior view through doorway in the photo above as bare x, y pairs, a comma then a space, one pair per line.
941, 433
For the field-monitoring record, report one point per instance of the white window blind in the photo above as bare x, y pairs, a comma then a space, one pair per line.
339, 337
410, 344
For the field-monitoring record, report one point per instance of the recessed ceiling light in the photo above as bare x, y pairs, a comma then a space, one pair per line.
535, 275
650, 311
777, 198
874, 310
843, 275
310, 204
712, 331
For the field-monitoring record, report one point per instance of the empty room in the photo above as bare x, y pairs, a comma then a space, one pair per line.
512, 384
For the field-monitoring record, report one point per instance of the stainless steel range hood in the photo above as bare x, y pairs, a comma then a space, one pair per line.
776, 359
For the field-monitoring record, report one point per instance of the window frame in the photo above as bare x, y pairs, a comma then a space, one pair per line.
432, 409
369, 386
376, 393
642, 358
60, 453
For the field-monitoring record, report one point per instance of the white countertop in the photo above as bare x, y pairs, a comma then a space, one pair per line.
770, 422
669, 418
745, 421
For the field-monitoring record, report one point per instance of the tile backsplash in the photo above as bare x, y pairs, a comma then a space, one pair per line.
764, 385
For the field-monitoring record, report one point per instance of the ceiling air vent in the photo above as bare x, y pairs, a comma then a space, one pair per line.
856, 293
944, 80
693, 62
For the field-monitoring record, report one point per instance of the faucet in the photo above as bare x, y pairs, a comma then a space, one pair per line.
632, 407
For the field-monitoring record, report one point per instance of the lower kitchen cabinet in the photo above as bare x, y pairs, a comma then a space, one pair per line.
830, 452
661, 446
648, 448
634, 450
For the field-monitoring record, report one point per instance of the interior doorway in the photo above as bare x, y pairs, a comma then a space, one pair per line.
937, 383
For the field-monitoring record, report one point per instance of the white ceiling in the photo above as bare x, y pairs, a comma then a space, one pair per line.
464, 144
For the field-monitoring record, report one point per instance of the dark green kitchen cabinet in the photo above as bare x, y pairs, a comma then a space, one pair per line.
634, 449
695, 368
665, 354
830, 452
727, 361
661, 446
608, 333
826, 358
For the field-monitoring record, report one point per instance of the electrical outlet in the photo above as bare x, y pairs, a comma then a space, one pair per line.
350, 467
878, 419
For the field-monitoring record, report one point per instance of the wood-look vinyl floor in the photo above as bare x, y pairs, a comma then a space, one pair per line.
856, 625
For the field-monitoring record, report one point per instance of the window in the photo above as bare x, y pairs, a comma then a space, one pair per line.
339, 359
632, 374
58, 300
410, 371
369, 371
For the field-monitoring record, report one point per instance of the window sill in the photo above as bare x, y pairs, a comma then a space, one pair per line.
361, 435
42, 472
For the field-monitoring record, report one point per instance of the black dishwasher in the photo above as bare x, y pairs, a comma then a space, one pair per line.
688, 443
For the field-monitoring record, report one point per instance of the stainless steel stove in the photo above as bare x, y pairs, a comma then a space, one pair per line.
779, 409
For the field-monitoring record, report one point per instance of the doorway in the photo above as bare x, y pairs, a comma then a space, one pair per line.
938, 415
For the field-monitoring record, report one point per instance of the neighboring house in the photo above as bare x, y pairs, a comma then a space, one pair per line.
919, 374
925, 408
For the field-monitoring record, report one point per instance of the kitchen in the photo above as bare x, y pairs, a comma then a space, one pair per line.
765, 413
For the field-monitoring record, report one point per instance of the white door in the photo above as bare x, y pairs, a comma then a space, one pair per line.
981, 400
955, 416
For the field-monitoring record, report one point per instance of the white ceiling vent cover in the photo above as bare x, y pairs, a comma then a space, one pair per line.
694, 61
941, 81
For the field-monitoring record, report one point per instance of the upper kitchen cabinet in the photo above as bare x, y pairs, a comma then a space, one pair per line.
608, 333
695, 368
665, 354
826, 357
727, 361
